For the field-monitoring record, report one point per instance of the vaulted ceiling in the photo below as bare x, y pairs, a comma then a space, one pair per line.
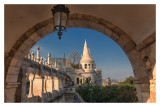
138, 21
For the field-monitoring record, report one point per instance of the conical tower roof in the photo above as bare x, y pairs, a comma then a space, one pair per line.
86, 53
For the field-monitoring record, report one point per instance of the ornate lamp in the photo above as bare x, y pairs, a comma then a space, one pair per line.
60, 15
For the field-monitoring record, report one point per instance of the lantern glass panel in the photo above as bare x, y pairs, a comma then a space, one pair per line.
57, 20
60, 20
64, 20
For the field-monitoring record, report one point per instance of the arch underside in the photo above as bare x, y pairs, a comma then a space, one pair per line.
13, 60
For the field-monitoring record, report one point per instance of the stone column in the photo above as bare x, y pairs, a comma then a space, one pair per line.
60, 84
45, 84
24, 79
31, 89
31, 79
42, 87
52, 87
153, 86
138, 85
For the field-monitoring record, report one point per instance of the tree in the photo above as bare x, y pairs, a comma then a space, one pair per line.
68, 63
129, 80
73, 59
127, 91
124, 92
84, 91
109, 94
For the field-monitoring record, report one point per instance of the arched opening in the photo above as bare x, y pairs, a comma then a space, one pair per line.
34, 34
78, 81
56, 84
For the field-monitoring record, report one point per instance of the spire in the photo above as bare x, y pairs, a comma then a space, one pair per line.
38, 48
49, 56
86, 53
38, 53
64, 55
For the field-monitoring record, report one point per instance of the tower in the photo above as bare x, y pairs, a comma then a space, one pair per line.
49, 56
32, 56
38, 53
87, 63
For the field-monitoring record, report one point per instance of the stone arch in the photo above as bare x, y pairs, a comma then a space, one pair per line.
13, 60
56, 83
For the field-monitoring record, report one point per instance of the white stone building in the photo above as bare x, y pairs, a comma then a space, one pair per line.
87, 72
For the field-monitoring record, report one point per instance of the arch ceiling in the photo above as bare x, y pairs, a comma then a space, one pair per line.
138, 21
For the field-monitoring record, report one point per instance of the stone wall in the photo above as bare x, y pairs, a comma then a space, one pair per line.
146, 83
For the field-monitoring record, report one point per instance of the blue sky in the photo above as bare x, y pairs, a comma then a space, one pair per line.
106, 53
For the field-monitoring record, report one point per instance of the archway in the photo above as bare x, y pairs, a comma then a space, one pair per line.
26, 41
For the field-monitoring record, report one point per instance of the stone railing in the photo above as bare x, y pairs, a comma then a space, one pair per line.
72, 90
43, 79
37, 65
69, 89
80, 98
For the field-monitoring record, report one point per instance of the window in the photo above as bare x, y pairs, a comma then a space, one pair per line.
89, 66
77, 80
80, 81
89, 79
85, 66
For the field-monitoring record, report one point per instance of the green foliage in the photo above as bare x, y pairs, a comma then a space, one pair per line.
129, 80
124, 92
109, 94
127, 91
83, 90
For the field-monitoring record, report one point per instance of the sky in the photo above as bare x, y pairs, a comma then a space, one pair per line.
107, 54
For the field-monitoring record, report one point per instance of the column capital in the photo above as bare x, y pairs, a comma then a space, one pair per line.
31, 76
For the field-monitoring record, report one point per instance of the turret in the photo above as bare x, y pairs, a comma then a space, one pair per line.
55, 63
29, 56
86, 53
49, 56
86, 61
38, 53
64, 55
32, 56
41, 61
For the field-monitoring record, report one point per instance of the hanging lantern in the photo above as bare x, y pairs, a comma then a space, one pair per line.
60, 15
